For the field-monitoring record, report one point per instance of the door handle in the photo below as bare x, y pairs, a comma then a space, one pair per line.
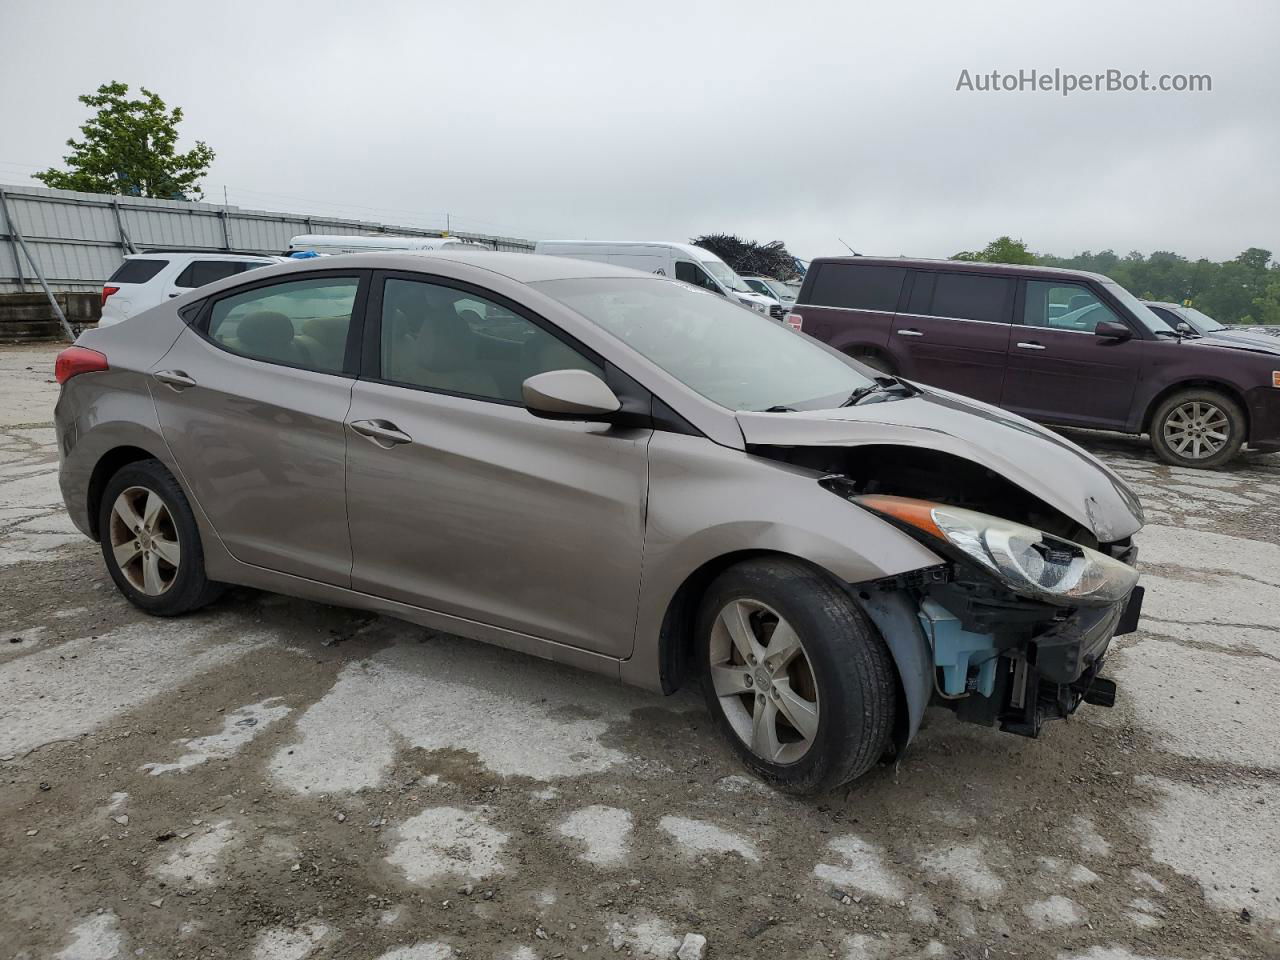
174, 379
382, 432
1030, 345
910, 333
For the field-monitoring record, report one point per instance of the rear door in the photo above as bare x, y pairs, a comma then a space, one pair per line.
1059, 369
463, 502
954, 332
252, 402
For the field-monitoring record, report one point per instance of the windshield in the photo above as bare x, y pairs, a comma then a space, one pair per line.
1140, 310
1202, 322
734, 357
720, 270
781, 290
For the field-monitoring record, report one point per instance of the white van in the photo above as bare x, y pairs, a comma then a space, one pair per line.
702, 268
330, 243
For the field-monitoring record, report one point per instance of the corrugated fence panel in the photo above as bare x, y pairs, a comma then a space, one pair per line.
76, 237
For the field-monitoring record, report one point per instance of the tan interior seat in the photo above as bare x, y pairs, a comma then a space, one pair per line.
268, 335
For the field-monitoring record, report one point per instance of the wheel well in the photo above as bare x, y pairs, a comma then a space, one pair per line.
861, 352
106, 468
676, 658
1226, 389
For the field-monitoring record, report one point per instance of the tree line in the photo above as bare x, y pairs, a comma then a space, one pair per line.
1244, 289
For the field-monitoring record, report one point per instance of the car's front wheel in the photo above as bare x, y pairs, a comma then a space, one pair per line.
1198, 428
150, 541
797, 678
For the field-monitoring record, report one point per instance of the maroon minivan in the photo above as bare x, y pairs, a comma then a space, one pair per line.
1057, 346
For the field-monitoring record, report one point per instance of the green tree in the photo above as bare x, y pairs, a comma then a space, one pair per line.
999, 250
129, 148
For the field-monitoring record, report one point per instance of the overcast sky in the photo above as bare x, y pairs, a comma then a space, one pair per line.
804, 122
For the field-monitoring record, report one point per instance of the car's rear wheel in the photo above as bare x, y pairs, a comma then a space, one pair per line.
1198, 428
150, 541
797, 678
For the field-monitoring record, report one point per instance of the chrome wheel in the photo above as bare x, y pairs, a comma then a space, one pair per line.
144, 541
1196, 430
764, 681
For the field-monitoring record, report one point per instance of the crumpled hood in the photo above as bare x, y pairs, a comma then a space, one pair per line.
1038, 460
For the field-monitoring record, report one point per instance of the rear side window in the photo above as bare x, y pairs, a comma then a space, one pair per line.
301, 324
967, 296
137, 271
200, 272
858, 287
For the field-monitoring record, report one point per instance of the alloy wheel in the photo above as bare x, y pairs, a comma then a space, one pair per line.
1196, 430
144, 541
764, 681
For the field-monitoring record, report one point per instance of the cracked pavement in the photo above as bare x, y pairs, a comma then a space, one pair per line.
272, 778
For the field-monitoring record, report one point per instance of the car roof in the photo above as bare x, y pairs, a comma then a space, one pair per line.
521, 267
963, 266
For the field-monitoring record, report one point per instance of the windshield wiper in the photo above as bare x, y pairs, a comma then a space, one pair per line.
881, 385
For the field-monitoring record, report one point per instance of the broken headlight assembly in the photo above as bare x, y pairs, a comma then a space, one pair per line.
1028, 561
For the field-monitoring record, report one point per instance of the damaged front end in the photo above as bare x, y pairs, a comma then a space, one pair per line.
1017, 622
1036, 535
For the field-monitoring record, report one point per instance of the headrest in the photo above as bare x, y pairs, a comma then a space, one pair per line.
266, 333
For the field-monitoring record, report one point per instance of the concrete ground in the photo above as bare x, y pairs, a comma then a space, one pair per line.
278, 780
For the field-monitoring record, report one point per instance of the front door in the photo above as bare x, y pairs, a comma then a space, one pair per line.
954, 333
252, 403
463, 502
1059, 369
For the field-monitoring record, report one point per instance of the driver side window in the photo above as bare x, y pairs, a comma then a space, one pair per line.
694, 274
1064, 306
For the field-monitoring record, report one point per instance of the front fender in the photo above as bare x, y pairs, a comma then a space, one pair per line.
707, 502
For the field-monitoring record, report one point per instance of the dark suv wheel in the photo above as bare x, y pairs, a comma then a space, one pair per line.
150, 541
1198, 427
797, 678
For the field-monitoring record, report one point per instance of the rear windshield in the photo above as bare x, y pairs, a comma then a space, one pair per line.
137, 270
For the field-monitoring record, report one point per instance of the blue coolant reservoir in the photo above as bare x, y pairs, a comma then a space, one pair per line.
958, 652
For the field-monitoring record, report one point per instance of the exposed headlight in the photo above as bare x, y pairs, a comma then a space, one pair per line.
1031, 562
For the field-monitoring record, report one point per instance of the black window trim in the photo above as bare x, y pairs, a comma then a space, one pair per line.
350, 359
371, 355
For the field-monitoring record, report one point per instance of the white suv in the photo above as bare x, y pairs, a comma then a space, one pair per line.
147, 279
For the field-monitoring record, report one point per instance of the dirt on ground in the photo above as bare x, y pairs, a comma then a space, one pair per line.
276, 779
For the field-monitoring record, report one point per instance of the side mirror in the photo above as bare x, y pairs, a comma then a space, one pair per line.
1184, 328
569, 395
1111, 330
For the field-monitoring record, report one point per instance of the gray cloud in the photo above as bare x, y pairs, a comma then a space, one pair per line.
801, 121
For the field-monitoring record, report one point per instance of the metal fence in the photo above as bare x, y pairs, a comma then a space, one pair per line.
77, 239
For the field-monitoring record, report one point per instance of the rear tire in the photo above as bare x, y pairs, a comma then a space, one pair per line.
150, 541
826, 715
1199, 428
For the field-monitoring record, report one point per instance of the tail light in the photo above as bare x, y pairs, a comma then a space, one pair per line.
107, 292
74, 361
794, 320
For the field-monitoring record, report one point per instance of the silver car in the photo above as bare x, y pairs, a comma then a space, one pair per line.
613, 470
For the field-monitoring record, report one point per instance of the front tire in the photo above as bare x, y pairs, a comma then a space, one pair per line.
150, 541
796, 677
1199, 428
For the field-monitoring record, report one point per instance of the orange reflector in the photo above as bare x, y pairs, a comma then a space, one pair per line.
918, 513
